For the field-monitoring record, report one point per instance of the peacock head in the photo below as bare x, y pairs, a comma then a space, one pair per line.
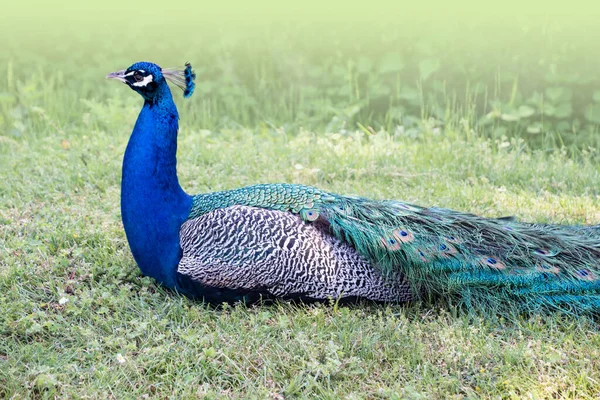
146, 78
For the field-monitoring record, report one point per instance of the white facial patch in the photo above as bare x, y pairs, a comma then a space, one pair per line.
133, 72
143, 82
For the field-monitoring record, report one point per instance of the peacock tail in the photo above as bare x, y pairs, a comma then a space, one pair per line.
478, 262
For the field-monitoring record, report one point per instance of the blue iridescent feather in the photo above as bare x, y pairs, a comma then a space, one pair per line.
190, 84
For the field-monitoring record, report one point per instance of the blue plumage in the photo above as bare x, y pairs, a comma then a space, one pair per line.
153, 204
296, 241
190, 77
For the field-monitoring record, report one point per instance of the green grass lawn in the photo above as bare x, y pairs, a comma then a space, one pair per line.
77, 319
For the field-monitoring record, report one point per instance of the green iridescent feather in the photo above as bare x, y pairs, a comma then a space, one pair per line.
481, 263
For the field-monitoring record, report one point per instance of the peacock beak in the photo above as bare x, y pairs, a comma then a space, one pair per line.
119, 75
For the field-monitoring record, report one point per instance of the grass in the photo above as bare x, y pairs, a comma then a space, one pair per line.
73, 299
78, 320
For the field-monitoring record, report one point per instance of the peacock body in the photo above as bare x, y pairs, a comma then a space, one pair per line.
294, 241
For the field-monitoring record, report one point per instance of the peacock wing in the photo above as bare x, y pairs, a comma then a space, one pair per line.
243, 253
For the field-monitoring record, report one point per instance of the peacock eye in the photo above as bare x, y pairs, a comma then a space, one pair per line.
137, 76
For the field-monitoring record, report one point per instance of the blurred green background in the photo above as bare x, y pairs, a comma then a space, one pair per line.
503, 70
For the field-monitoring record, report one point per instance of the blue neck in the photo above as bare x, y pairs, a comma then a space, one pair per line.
153, 205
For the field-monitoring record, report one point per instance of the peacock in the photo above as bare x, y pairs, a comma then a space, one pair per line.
292, 241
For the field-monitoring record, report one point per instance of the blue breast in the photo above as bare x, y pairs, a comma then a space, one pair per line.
153, 204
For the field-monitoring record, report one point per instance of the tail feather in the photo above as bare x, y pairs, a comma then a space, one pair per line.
447, 253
